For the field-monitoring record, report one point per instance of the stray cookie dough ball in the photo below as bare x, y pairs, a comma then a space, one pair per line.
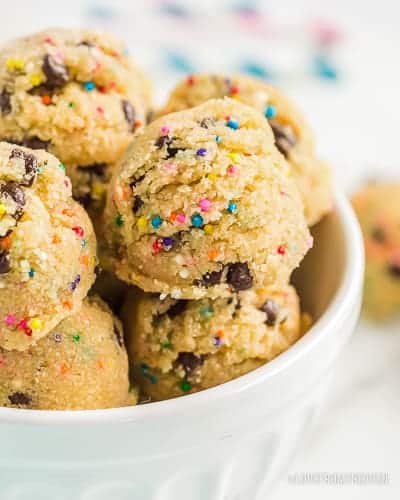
47, 246
377, 206
293, 136
82, 364
73, 92
180, 346
202, 205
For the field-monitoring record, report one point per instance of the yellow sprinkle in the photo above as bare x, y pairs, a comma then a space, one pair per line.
3, 209
36, 80
142, 223
234, 157
17, 64
212, 177
208, 229
35, 324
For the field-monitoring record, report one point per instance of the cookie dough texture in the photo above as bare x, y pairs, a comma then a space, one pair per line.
81, 364
293, 136
377, 206
203, 204
180, 346
73, 92
47, 246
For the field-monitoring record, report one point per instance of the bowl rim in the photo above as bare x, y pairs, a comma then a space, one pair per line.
347, 292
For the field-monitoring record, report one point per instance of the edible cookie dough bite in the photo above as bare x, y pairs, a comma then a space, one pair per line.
81, 364
378, 209
293, 136
203, 205
181, 346
73, 92
47, 246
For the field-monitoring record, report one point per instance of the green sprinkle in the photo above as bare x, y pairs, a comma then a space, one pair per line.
71, 104
206, 312
166, 345
119, 220
186, 386
76, 338
61, 166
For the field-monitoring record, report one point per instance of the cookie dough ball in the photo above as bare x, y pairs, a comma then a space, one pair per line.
378, 209
73, 92
82, 364
47, 246
203, 205
181, 346
293, 136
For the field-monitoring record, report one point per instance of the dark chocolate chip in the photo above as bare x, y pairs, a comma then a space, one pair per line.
394, 270
5, 263
136, 180
271, 310
118, 334
167, 140
137, 204
239, 277
238, 306
31, 165
20, 399
5, 102
129, 113
378, 235
177, 308
32, 142
13, 190
84, 199
285, 138
97, 169
207, 122
85, 43
41, 90
189, 362
209, 279
57, 74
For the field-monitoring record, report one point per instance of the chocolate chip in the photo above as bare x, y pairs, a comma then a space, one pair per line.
31, 165
13, 190
57, 74
149, 116
238, 306
129, 113
238, 276
208, 122
394, 270
84, 199
271, 310
209, 279
20, 399
5, 263
284, 137
41, 90
137, 204
85, 43
189, 362
378, 235
177, 308
97, 169
5, 102
136, 181
118, 334
34, 142
167, 140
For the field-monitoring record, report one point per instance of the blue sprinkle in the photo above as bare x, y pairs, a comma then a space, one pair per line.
233, 123
217, 341
270, 112
201, 152
32, 273
255, 69
218, 139
83, 243
197, 220
232, 207
324, 69
156, 221
168, 243
179, 62
89, 86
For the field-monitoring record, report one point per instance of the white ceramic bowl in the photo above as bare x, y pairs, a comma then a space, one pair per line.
227, 443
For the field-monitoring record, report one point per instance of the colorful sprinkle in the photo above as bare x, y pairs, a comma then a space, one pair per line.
205, 204
217, 341
145, 371
281, 250
10, 319
234, 157
197, 220
142, 223
208, 229
3, 209
119, 220
46, 100
201, 152
181, 218
78, 230
186, 386
156, 221
15, 64
89, 86
157, 246
212, 254
166, 345
212, 177
167, 243
232, 207
61, 166
75, 283
232, 169
76, 338
71, 104
233, 123
32, 273
165, 130
36, 80
218, 139
270, 112
206, 312
190, 80
35, 324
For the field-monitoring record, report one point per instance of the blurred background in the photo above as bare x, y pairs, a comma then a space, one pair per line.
339, 60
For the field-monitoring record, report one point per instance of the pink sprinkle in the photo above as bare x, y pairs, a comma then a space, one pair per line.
232, 169
50, 40
205, 204
181, 218
23, 324
10, 320
100, 110
165, 130
169, 167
